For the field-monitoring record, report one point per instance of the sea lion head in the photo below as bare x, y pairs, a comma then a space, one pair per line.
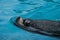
22, 22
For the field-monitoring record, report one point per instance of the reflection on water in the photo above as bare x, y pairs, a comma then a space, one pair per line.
34, 9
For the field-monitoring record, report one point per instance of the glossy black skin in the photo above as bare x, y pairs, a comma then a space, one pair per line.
46, 27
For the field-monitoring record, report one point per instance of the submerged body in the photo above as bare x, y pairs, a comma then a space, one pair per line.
39, 26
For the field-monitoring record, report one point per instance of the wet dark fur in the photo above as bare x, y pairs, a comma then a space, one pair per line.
42, 27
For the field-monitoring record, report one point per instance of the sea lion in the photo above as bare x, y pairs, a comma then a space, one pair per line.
47, 27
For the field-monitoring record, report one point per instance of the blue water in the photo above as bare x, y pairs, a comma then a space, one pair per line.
34, 9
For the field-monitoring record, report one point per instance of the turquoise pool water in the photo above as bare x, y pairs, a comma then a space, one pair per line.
34, 9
